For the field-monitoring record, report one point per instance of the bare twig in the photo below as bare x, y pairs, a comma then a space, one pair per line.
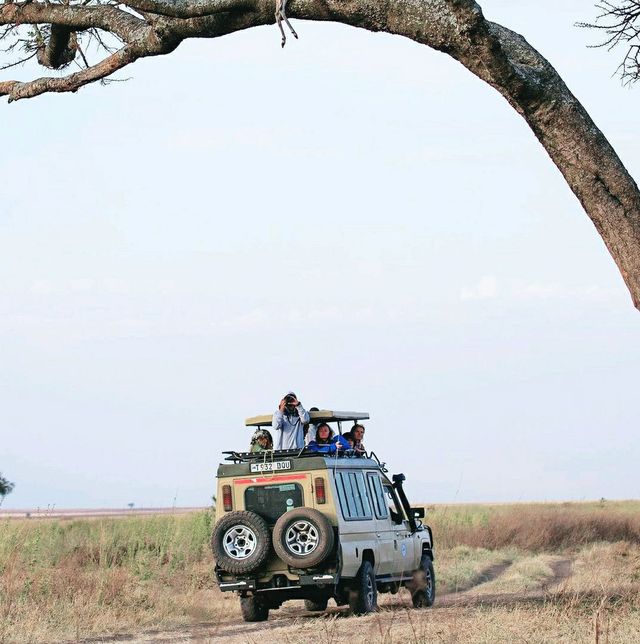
18, 62
619, 21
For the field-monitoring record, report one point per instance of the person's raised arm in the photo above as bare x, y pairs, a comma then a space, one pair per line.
303, 413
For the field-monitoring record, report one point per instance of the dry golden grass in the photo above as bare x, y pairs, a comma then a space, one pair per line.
536, 527
95, 578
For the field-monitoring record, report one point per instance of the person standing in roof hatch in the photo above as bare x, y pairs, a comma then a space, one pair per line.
288, 423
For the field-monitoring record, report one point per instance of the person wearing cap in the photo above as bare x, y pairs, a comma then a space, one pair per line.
288, 423
261, 441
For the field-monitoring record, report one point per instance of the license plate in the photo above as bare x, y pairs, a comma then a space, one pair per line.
272, 466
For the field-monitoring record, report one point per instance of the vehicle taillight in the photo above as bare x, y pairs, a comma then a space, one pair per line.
227, 499
320, 495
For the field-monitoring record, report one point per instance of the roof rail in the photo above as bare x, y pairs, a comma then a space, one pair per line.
250, 457
374, 457
270, 455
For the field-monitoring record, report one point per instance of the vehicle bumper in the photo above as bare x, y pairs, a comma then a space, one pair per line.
279, 582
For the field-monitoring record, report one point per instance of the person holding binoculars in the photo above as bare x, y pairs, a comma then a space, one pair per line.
288, 423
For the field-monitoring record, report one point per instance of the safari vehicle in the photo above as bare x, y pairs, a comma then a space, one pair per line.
299, 525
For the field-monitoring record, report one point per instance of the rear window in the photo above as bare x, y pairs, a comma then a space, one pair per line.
272, 501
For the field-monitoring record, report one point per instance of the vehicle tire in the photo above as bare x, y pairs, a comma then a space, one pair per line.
253, 609
303, 538
316, 605
363, 597
240, 542
423, 586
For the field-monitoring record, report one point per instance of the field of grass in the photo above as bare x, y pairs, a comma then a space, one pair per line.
530, 572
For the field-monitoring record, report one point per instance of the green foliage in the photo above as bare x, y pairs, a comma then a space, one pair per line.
5, 486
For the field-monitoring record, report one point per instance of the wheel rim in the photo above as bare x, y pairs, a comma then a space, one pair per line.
428, 583
302, 538
239, 542
370, 592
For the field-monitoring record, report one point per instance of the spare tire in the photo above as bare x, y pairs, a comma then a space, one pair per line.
240, 542
303, 538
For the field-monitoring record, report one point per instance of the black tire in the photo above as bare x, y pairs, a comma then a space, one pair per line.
303, 538
316, 605
363, 597
240, 542
423, 585
253, 610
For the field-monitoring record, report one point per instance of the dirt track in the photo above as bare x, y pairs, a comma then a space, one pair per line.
392, 608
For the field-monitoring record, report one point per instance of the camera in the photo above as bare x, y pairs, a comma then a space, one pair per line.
289, 400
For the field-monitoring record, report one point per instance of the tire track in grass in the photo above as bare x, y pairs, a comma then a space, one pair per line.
236, 630
483, 577
561, 569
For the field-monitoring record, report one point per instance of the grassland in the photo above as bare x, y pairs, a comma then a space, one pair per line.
534, 573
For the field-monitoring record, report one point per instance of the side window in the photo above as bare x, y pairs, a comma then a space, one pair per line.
377, 495
395, 508
353, 497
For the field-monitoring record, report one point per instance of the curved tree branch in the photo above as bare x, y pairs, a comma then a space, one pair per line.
500, 57
16, 90
60, 49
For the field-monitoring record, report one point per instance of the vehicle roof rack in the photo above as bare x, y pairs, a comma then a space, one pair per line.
252, 457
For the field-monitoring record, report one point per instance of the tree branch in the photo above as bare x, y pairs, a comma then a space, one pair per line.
190, 8
500, 57
60, 49
76, 17
16, 90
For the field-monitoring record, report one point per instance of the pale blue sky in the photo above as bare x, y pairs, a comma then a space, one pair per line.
356, 217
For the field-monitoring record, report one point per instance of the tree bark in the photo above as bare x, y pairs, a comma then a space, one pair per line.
60, 49
500, 57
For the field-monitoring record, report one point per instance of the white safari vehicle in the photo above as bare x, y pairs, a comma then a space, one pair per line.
299, 525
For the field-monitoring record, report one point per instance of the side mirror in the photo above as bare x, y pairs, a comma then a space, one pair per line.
418, 513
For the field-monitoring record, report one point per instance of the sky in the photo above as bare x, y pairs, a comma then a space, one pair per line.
355, 217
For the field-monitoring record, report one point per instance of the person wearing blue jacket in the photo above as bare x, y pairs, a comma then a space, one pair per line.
326, 443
